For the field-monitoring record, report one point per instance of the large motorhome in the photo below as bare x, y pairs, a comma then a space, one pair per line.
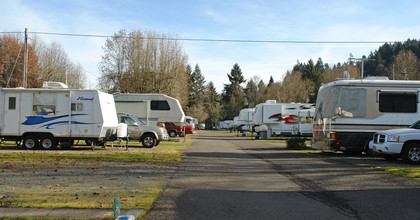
44, 117
150, 108
283, 119
349, 112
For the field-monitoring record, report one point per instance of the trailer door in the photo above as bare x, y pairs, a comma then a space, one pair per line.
11, 119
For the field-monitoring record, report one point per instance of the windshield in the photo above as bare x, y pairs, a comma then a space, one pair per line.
416, 125
138, 121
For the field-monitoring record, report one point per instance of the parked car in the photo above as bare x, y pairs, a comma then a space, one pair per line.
149, 136
394, 143
174, 129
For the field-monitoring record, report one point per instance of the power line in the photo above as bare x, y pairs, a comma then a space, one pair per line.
218, 40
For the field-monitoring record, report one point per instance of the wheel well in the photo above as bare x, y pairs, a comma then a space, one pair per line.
366, 147
145, 133
409, 142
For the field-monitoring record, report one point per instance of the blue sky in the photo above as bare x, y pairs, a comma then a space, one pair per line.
267, 20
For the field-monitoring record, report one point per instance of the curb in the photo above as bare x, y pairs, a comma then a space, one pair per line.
66, 213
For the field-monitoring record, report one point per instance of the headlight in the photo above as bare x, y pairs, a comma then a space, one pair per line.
393, 138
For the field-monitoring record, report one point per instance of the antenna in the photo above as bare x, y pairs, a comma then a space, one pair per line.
362, 60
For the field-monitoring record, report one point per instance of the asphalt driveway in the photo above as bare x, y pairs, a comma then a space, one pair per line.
227, 177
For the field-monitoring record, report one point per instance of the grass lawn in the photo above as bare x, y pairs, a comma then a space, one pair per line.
82, 178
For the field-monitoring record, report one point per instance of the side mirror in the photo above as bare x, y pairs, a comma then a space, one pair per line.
136, 124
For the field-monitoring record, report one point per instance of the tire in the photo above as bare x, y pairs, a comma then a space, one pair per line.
172, 133
411, 153
30, 142
49, 143
148, 141
157, 143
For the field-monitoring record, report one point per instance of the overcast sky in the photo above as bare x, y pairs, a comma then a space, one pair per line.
269, 20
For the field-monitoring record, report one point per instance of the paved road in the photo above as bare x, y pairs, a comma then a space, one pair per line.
226, 177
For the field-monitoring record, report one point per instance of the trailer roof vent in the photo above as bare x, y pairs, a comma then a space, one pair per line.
54, 85
270, 101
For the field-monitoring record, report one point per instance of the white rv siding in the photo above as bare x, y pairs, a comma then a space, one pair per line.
140, 105
284, 119
348, 112
49, 111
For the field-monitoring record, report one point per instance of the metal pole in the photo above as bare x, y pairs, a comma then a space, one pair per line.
362, 66
25, 59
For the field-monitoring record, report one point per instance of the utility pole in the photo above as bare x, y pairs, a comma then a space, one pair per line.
25, 59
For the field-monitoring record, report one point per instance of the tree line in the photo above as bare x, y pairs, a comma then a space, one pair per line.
142, 61
46, 62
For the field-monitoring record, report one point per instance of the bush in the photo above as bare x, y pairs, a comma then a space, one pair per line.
296, 143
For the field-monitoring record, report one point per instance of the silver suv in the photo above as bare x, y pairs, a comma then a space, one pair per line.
149, 136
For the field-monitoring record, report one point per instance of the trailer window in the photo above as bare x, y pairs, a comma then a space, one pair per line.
353, 103
160, 105
12, 103
77, 107
398, 102
44, 104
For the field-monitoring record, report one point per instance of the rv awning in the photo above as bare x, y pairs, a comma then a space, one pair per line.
126, 100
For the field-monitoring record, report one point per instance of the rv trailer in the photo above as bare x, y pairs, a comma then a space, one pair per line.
152, 109
349, 112
45, 117
283, 119
244, 120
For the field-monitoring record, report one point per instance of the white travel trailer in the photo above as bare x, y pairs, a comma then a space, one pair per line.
283, 119
44, 117
349, 112
226, 124
150, 108
191, 121
245, 119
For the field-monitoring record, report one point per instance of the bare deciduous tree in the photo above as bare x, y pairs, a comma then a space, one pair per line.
56, 66
144, 62
406, 66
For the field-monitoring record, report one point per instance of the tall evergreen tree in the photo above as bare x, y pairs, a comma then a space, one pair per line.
233, 95
271, 81
212, 106
196, 86
196, 94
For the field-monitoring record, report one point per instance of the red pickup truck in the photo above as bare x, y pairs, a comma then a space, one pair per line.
174, 130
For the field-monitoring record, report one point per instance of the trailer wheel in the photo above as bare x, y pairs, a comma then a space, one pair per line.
49, 143
148, 141
30, 142
411, 153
